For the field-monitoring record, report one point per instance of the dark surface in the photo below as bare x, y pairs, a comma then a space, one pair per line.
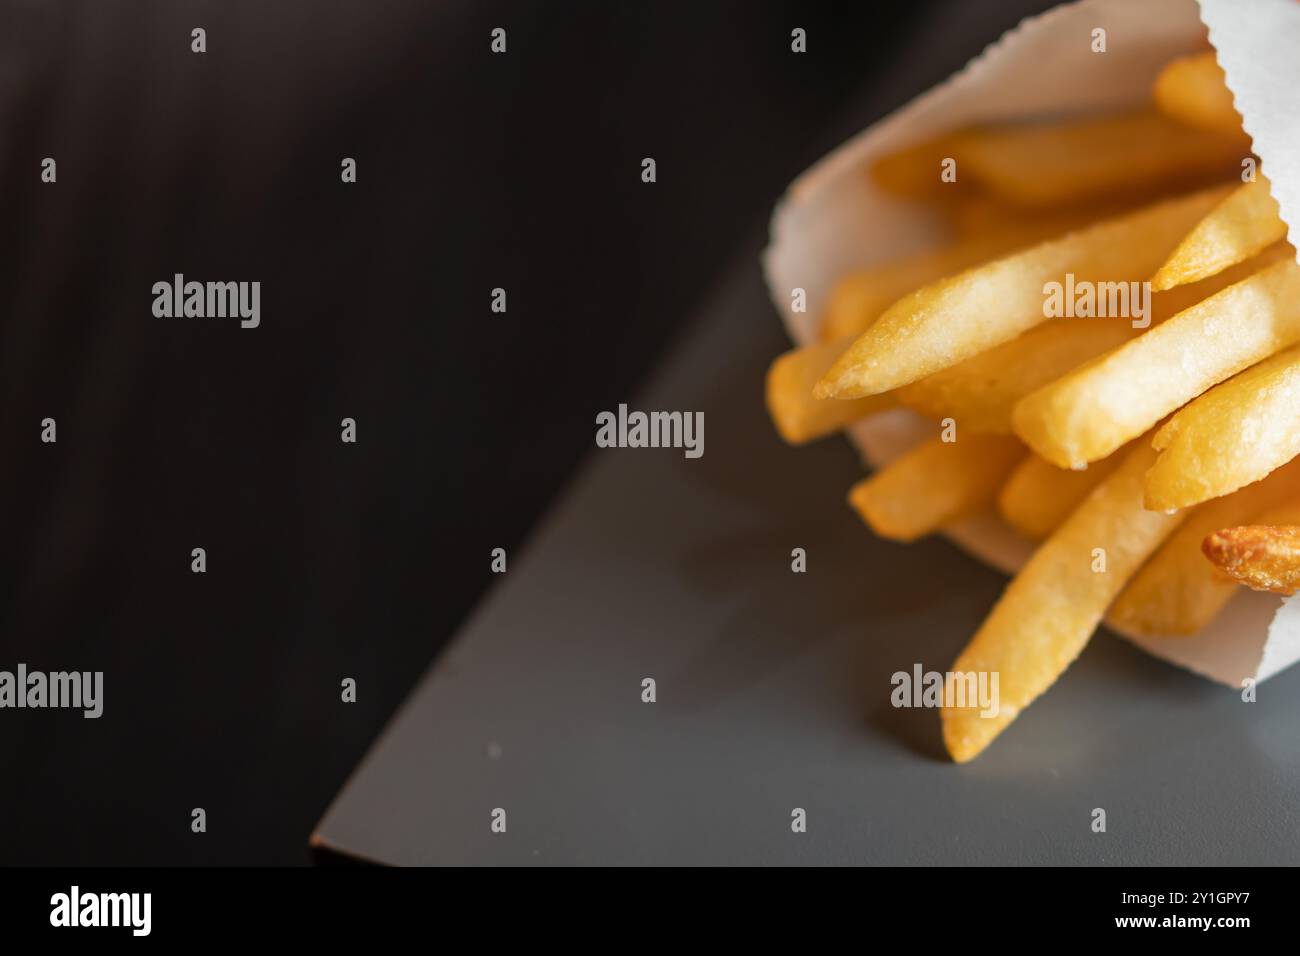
773, 688
326, 560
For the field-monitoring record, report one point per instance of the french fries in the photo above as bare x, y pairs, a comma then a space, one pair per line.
934, 485
953, 319
1051, 608
1191, 90
860, 297
981, 392
913, 172
1039, 496
1129, 438
798, 416
1090, 412
1064, 162
1178, 592
978, 216
1047, 164
1246, 223
1264, 557
1234, 434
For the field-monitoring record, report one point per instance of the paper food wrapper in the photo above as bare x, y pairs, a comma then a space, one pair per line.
833, 219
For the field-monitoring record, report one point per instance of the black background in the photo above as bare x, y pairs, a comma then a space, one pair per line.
328, 560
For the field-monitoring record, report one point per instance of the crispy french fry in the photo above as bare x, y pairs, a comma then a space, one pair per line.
1192, 91
934, 485
797, 415
1039, 496
859, 297
1243, 225
1234, 434
950, 320
1264, 557
1051, 608
1046, 164
1178, 592
1090, 412
981, 392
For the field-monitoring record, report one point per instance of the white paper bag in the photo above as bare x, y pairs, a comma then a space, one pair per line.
833, 219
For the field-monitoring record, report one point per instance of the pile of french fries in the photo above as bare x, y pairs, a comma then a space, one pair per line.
1122, 447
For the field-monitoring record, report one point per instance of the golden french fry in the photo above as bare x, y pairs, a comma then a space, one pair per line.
1234, 434
1039, 496
973, 215
915, 172
1263, 557
1178, 592
1243, 225
934, 485
981, 392
1192, 91
1051, 608
1045, 164
1090, 412
950, 320
859, 297
797, 415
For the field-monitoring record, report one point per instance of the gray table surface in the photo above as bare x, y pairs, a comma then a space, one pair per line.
773, 687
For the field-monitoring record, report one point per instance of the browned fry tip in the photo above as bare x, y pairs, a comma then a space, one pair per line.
1263, 557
